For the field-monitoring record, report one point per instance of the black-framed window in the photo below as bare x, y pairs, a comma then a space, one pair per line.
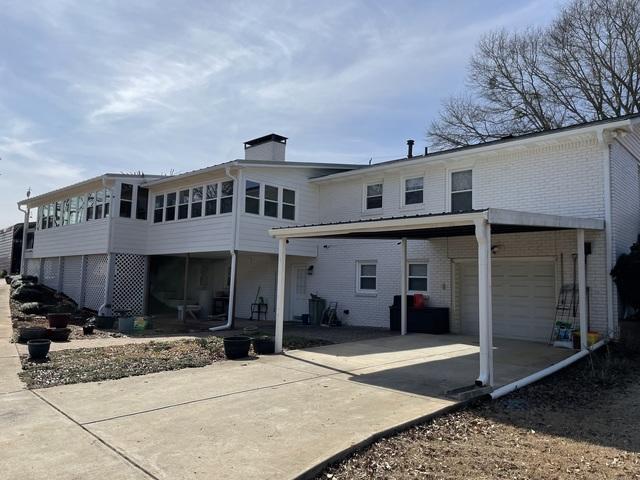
252, 197
413, 190
158, 208
126, 200
211, 199
373, 196
170, 209
183, 204
196, 202
226, 197
462, 191
288, 204
270, 201
142, 203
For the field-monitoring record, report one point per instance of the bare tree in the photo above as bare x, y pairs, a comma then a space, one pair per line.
584, 66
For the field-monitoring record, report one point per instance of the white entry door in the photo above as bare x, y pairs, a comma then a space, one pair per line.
299, 292
523, 298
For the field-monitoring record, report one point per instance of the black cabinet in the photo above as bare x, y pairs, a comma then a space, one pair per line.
419, 320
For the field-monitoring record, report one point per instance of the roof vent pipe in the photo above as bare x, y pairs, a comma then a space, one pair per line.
426, 151
410, 148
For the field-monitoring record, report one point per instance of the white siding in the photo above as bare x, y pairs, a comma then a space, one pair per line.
255, 271
6, 247
80, 239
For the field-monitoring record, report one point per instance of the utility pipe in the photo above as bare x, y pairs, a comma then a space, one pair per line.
608, 233
523, 382
233, 252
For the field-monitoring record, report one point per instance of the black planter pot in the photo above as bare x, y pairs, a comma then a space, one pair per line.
58, 320
31, 333
264, 345
7, 279
236, 347
104, 322
38, 349
59, 334
88, 329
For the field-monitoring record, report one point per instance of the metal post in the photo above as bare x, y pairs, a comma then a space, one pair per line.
403, 288
282, 255
582, 290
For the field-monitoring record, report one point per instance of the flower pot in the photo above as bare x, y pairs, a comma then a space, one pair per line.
38, 349
59, 334
125, 324
104, 322
8, 280
264, 345
236, 347
31, 333
88, 329
58, 320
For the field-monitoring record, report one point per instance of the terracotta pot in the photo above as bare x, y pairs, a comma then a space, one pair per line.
58, 320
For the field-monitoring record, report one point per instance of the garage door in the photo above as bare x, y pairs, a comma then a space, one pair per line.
523, 298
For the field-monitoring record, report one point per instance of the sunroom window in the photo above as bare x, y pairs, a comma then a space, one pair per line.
196, 202
226, 197
211, 200
170, 210
158, 208
252, 197
270, 201
288, 204
142, 203
126, 200
183, 204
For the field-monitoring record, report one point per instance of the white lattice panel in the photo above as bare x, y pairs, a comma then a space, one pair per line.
32, 266
50, 272
129, 283
94, 280
72, 270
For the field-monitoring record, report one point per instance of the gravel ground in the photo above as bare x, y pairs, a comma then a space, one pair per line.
582, 423
82, 365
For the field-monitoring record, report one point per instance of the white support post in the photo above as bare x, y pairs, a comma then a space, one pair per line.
185, 287
83, 276
483, 237
108, 290
582, 290
231, 309
282, 256
403, 288
25, 232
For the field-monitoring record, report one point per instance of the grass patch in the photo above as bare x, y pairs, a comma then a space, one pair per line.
109, 363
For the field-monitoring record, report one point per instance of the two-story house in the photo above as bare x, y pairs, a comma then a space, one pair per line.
492, 232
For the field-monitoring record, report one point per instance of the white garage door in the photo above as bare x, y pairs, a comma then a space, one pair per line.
523, 298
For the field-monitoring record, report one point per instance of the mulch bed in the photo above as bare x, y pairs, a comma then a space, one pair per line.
108, 363
582, 423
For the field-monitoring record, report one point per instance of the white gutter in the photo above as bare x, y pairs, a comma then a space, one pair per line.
233, 251
25, 231
523, 382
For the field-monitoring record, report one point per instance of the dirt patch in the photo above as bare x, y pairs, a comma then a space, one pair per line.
107, 363
582, 423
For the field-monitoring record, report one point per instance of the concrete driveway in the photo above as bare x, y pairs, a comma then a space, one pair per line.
275, 417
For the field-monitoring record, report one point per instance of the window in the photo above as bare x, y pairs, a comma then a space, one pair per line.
73, 211
417, 278
196, 202
367, 280
65, 212
226, 197
461, 191
107, 202
373, 196
271, 201
126, 200
142, 203
211, 200
51, 215
158, 208
183, 204
252, 200
288, 204
413, 190
99, 201
91, 199
81, 204
43, 216
57, 221
170, 210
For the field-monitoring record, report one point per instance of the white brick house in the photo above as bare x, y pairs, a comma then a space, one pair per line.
558, 185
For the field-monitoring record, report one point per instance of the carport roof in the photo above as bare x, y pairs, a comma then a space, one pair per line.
432, 225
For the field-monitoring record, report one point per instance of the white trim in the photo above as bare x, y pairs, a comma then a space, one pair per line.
365, 291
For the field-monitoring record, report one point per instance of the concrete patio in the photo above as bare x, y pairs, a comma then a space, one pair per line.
275, 417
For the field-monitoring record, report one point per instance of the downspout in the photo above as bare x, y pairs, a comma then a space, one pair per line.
233, 252
25, 231
499, 392
108, 294
608, 232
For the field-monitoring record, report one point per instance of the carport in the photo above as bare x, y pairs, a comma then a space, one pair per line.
479, 223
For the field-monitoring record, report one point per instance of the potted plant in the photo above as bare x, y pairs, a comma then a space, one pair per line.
31, 333
39, 348
59, 334
236, 347
58, 320
264, 345
88, 329
103, 322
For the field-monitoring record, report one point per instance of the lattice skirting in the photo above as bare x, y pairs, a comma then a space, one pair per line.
95, 276
32, 266
71, 276
129, 282
50, 272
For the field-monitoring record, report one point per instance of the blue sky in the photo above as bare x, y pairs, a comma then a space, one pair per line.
160, 86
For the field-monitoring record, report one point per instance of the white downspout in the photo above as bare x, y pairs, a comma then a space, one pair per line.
106, 308
233, 252
25, 231
608, 232
403, 287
